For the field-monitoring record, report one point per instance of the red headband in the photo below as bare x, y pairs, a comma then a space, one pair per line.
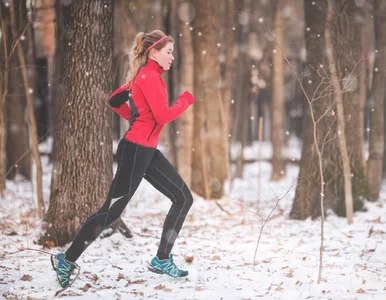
156, 43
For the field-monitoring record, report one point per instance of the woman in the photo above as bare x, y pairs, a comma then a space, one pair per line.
137, 156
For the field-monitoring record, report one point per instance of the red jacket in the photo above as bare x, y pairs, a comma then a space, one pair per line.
148, 109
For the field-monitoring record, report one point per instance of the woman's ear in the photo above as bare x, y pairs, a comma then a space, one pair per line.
153, 53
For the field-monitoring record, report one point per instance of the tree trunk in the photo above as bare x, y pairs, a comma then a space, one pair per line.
277, 133
347, 48
27, 87
5, 54
47, 16
340, 116
206, 87
18, 157
345, 51
82, 160
242, 101
376, 144
185, 122
229, 71
306, 202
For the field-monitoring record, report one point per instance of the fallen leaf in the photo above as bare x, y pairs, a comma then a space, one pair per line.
159, 287
86, 287
361, 291
26, 278
304, 258
120, 276
49, 244
189, 259
168, 290
95, 277
138, 281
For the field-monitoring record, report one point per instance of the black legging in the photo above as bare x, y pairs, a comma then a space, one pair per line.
134, 163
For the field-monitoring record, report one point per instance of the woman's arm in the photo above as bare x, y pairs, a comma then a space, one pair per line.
155, 95
117, 101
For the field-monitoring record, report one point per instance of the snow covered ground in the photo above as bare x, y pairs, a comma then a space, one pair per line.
217, 245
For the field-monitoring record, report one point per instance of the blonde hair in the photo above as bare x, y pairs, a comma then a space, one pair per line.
138, 53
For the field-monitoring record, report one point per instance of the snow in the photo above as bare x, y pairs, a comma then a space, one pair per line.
220, 236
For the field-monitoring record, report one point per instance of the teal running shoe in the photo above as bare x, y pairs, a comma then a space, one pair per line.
166, 266
63, 269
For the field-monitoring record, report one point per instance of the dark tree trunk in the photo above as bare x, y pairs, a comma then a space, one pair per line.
18, 135
307, 193
346, 50
82, 158
377, 144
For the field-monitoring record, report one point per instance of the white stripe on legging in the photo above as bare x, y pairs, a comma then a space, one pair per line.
175, 223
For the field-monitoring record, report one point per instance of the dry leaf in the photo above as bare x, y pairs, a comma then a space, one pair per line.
120, 276
95, 277
159, 287
198, 288
189, 259
138, 281
26, 278
86, 287
304, 258
49, 244
168, 290
361, 291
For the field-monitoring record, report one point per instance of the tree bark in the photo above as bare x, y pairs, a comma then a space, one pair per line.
277, 133
307, 194
347, 52
206, 87
376, 143
185, 122
82, 158
340, 115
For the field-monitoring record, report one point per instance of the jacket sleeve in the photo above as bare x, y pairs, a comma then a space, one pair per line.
117, 101
155, 94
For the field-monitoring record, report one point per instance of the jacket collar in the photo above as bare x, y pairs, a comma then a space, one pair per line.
153, 65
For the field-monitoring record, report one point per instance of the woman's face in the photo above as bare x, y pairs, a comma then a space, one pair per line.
164, 57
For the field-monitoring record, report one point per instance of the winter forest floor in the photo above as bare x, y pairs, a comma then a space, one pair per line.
219, 238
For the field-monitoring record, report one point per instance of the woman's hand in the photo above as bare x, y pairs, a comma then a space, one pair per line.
187, 96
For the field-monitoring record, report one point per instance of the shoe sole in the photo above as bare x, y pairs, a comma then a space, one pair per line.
158, 271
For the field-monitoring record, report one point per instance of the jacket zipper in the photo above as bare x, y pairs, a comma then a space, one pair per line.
155, 125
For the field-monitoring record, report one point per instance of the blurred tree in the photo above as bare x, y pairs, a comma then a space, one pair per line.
377, 145
209, 170
47, 20
5, 53
277, 127
18, 156
186, 13
82, 158
241, 107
